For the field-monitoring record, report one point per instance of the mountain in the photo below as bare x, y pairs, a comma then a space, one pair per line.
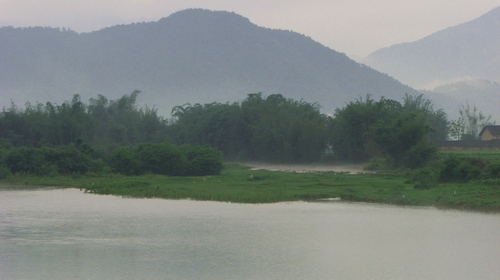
192, 56
483, 94
468, 50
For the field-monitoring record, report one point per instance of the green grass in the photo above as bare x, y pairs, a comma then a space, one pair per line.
240, 184
484, 154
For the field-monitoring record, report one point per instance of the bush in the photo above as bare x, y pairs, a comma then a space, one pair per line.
99, 166
27, 160
4, 172
163, 158
420, 154
202, 160
493, 170
68, 159
166, 159
376, 163
124, 160
46, 161
456, 169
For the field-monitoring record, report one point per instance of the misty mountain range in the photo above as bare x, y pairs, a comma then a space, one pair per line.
468, 50
192, 56
201, 56
462, 61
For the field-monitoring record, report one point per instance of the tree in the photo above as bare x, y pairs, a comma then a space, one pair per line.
364, 129
457, 129
271, 128
436, 120
103, 123
471, 122
404, 141
351, 128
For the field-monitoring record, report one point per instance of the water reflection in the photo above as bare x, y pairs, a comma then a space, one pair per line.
66, 234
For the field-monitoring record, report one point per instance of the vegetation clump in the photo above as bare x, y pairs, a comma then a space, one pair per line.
166, 159
157, 158
399, 133
111, 147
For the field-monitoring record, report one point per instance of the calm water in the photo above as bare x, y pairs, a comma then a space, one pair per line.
67, 234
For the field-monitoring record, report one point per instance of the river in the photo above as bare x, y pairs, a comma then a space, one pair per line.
68, 234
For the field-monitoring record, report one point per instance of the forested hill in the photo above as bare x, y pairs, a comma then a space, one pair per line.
192, 56
468, 50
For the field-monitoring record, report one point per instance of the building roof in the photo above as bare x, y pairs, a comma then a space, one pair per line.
493, 129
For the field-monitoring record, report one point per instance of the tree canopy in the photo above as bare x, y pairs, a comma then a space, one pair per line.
271, 128
260, 128
364, 129
102, 122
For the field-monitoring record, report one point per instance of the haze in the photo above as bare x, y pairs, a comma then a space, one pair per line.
354, 27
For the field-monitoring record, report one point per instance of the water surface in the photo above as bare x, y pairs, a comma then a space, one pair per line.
68, 234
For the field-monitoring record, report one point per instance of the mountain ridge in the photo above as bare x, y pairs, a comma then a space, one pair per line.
191, 56
467, 50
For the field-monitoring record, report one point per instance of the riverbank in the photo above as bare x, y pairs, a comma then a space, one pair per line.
242, 184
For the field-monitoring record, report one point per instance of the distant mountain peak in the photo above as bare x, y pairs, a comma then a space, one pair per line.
204, 16
470, 49
192, 56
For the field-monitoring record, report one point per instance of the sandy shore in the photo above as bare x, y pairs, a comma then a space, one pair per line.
306, 167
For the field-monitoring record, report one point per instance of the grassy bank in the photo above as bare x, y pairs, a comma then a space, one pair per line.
240, 184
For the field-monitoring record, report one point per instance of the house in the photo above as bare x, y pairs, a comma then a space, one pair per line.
490, 132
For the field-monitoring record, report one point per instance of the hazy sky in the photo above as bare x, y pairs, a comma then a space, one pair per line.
355, 27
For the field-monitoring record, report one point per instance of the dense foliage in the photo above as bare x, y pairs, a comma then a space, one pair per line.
401, 133
166, 159
67, 159
157, 158
272, 129
101, 123
456, 168
115, 135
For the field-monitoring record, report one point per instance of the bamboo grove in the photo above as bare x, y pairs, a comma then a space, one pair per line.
260, 128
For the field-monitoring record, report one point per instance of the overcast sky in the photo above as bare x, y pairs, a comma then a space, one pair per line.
354, 27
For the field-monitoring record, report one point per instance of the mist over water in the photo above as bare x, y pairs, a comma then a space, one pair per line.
67, 234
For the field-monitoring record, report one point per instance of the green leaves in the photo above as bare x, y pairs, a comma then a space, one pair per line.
44, 161
364, 129
166, 159
273, 128
103, 123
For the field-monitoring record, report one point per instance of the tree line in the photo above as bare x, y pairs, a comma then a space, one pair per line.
118, 135
103, 123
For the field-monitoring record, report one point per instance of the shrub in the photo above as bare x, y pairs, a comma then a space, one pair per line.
424, 178
163, 158
124, 160
455, 169
202, 160
166, 159
99, 166
493, 170
68, 159
376, 163
419, 154
4, 172
28, 160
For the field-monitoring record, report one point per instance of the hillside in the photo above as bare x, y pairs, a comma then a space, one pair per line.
468, 50
192, 56
483, 94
